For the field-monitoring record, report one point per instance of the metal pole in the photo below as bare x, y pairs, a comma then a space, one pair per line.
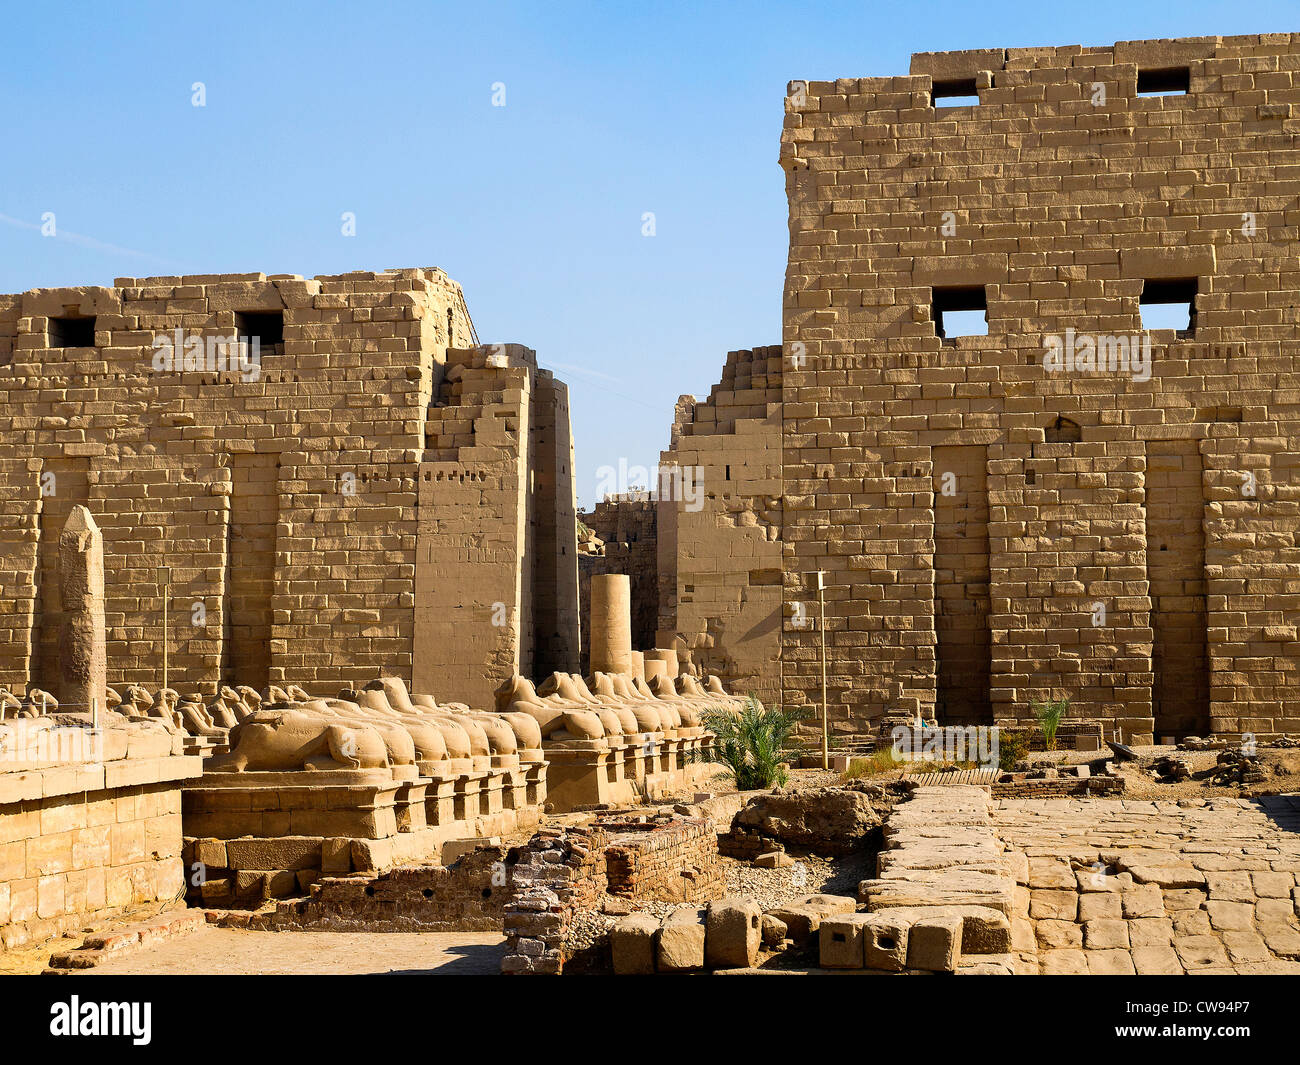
164, 580
826, 730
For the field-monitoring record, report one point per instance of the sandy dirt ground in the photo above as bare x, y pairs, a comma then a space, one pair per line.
231, 952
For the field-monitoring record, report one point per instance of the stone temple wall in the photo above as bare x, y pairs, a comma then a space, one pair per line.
720, 549
323, 514
91, 836
497, 570
986, 522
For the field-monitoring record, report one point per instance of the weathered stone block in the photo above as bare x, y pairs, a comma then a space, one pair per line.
681, 940
842, 941
632, 944
884, 943
934, 943
733, 933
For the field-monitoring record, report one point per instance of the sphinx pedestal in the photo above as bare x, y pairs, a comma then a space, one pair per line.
251, 836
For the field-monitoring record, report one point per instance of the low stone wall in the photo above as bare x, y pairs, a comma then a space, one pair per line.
84, 843
1058, 788
467, 896
1070, 735
562, 871
258, 836
675, 861
746, 844
124, 940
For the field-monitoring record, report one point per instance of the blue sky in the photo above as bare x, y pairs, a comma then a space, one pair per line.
385, 110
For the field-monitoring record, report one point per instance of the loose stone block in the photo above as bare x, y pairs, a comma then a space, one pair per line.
632, 944
733, 933
803, 916
884, 941
842, 941
773, 931
934, 943
681, 941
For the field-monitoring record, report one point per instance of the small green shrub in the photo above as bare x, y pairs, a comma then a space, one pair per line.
1049, 714
1013, 745
753, 743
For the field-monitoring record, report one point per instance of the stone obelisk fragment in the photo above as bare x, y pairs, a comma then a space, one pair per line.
83, 660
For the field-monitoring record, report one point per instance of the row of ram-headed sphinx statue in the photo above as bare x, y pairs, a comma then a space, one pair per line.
654, 725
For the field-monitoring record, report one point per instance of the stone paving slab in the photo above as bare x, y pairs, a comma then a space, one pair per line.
940, 851
1116, 886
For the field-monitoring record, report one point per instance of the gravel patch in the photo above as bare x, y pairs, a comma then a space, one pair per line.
809, 875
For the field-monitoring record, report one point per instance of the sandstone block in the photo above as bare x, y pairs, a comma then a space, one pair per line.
934, 943
842, 941
1156, 961
681, 941
885, 938
803, 917
733, 933
1105, 935
1110, 963
211, 853
1059, 935
1054, 905
1144, 900
336, 855
1063, 963
1200, 952
632, 944
773, 932
1100, 906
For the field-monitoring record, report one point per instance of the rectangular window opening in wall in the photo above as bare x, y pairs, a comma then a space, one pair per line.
960, 312
959, 93
267, 326
1170, 81
1169, 305
72, 332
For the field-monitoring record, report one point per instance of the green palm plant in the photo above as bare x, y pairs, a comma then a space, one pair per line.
1048, 714
753, 742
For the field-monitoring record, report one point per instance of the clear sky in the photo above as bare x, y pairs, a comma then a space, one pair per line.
386, 110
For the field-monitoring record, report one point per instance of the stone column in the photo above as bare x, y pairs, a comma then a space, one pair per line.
611, 623
83, 658
669, 659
